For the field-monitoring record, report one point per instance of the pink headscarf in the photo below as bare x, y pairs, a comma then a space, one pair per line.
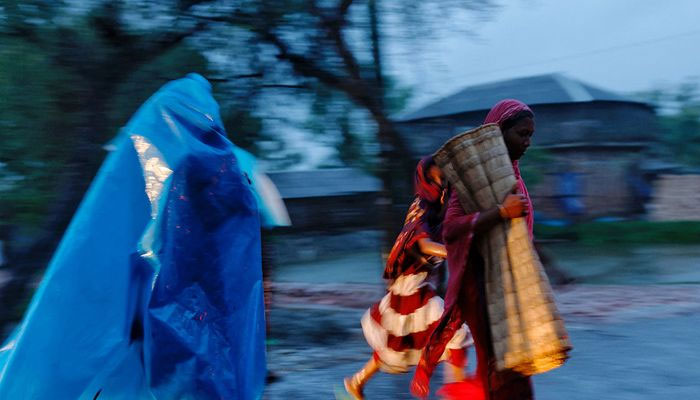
501, 112
505, 109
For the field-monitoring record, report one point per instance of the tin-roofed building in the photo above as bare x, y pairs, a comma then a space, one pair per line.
333, 211
329, 199
592, 140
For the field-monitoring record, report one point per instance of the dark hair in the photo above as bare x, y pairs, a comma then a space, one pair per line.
428, 161
510, 122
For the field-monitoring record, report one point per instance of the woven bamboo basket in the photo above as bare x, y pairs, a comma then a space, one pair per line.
527, 331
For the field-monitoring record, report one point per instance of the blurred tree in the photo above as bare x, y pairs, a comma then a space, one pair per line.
70, 75
338, 45
73, 71
679, 117
537, 160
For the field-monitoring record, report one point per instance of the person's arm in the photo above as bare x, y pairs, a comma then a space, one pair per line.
430, 248
456, 222
487, 220
514, 206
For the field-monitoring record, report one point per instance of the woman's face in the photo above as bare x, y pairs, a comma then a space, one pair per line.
518, 136
435, 174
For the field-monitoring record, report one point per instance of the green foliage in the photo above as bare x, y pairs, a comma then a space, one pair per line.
43, 110
679, 121
684, 232
145, 80
71, 74
534, 163
244, 128
32, 148
337, 121
397, 96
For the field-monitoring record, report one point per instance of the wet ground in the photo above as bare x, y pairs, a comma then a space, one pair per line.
633, 320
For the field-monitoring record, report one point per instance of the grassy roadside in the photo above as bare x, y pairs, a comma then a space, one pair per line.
624, 232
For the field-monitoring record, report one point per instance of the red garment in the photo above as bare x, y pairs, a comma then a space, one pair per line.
422, 221
469, 388
530, 217
399, 326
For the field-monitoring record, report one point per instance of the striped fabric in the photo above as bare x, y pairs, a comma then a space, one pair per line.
399, 326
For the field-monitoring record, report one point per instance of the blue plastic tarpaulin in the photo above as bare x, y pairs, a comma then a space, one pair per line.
155, 290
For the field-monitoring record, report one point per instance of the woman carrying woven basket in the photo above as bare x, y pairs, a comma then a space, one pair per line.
400, 324
466, 298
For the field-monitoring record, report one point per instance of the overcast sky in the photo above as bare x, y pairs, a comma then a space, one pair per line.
623, 45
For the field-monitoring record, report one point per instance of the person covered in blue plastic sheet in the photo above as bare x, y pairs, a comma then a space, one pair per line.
155, 289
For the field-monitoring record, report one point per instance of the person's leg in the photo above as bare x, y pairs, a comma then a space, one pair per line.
266, 261
355, 384
266, 250
476, 316
497, 385
450, 322
456, 361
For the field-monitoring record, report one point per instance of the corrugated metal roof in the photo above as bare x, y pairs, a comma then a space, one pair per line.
541, 89
324, 183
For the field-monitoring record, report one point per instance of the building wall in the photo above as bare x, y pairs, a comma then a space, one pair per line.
323, 227
335, 212
594, 122
602, 178
676, 198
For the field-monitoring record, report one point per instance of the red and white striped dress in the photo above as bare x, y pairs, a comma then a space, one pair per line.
399, 326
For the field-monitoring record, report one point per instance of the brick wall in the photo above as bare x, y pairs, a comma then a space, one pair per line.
676, 198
